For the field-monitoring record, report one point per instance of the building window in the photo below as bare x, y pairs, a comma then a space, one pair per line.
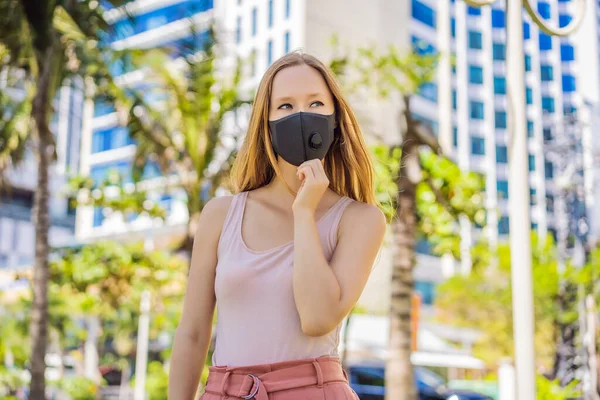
455, 136
501, 154
568, 83
499, 85
254, 20
423, 13
238, 30
532, 196
498, 18
530, 128
547, 73
500, 119
269, 52
98, 216
502, 187
544, 9
476, 109
503, 225
529, 95
422, 47
453, 26
567, 52
548, 134
454, 99
549, 203
286, 40
545, 42
548, 170
429, 91
477, 145
426, 290
569, 109
526, 31
474, 11
548, 104
531, 162
288, 8
564, 20
109, 139
270, 13
475, 74
527, 62
103, 106
475, 40
499, 51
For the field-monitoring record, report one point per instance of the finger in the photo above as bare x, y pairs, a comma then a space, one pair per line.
318, 169
306, 172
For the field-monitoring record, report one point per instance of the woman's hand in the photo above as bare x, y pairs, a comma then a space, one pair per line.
314, 184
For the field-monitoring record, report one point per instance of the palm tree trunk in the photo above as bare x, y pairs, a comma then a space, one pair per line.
39, 314
399, 375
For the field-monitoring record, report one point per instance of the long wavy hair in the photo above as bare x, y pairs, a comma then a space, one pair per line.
347, 163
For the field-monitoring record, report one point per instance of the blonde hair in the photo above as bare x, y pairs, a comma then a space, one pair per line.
347, 163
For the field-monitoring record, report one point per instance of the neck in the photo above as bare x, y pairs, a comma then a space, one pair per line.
285, 187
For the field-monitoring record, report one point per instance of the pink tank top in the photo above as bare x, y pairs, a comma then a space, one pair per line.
257, 318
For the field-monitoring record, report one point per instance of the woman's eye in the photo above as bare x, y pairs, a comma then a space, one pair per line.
316, 104
286, 106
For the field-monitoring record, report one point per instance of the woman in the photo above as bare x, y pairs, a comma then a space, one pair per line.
286, 258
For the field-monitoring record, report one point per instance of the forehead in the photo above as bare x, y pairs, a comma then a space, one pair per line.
298, 81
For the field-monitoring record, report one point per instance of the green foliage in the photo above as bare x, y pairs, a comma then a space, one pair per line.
79, 388
107, 280
157, 381
390, 71
10, 381
483, 300
551, 390
444, 193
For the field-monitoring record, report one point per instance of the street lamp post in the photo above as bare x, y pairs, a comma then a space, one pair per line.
520, 225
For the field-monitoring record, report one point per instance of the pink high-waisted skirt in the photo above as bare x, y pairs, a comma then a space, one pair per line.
320, 378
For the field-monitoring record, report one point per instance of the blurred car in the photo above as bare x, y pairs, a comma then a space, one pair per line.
367, 380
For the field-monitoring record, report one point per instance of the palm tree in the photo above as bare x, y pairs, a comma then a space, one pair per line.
45, 42
177, 123
430, 194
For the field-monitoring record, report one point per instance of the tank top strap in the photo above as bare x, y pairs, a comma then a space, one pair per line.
334, 217
232, 220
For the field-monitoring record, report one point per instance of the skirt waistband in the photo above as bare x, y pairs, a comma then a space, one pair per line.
257, 381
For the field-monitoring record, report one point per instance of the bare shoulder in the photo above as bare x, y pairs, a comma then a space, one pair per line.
214, 213
218, 206
368, 217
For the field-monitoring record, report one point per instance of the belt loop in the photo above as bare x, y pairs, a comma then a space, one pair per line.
224, 383
319, 374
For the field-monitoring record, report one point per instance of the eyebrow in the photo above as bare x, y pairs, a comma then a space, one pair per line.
288, 98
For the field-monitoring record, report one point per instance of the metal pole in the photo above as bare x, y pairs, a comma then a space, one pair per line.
520, 225
444, 84
141, 359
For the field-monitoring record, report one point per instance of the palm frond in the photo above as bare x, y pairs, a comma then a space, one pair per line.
15, 125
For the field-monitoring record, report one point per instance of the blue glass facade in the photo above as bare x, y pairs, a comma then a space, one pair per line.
476, 74
286, 41
477, 145
111, 138
501, 154
114, 137
500, 119
423, 13
130, 26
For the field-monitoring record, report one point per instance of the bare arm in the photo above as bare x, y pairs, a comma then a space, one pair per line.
326, 292
193, 334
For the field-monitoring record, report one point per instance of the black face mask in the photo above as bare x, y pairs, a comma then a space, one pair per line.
302, 136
